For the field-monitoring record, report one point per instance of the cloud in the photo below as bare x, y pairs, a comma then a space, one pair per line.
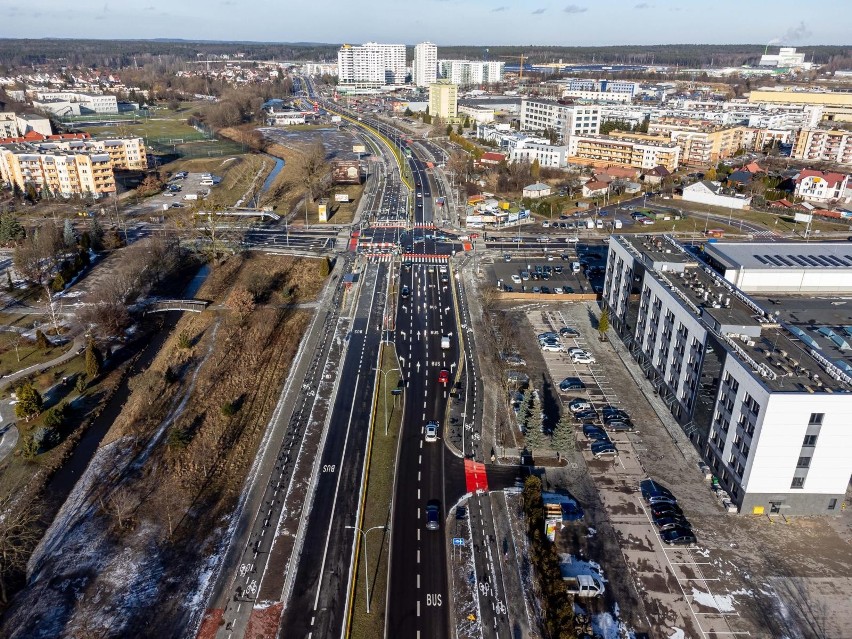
149, 8
498, 9
538, 12
573, 8
642, 5
797, 33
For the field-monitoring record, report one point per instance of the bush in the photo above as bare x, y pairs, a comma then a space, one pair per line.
178, 438
41, 341
169, 375
45, 438
29, 447
58, 283
229, 409
55, 417
325, 267
184, 341
82, 383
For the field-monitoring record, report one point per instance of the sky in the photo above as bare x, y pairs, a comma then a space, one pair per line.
444, 22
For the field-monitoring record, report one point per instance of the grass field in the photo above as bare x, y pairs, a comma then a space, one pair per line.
377, 507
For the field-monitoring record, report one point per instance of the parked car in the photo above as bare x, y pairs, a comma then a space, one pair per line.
525, 275
679, 536
433, 515
548, 335
602, 448
579, 405
665, 508
571, 383
567, 331
595, 432
507, 257
619, 425
583, 358
431, 432
667, 522
516, 279
549, 347
651, 490
586, 416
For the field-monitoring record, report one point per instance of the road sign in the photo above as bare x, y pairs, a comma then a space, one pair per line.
458, 541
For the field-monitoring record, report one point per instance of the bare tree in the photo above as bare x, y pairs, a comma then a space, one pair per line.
241, 302
121, 504
19, 534
312, 172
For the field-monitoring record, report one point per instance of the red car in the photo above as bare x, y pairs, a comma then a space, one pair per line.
444, 376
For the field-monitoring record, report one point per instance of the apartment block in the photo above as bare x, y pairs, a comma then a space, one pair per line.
13, 125
764, 398
820, 145
565, 119
635, 152
371, 63
424, 68
443, 99
701, 143
56, 172
467, 73
547, 155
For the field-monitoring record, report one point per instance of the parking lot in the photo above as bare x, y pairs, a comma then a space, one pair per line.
746, 576
585, 280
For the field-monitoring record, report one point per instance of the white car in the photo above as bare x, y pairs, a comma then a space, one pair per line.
552, 348
572, 240
584, 358
516, 279
432, 432
576, 350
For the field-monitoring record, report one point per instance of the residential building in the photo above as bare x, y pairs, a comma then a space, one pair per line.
56, 172
14, 125
478, 114
764, 398
8, 125
819, 187
602, 150
787, 58
371, 64
701, 143
707, 192
611, 90
547, 155
465, 73
595, 188
536, 191
564, 119
443, 99
424, 68
820, 145
86, 102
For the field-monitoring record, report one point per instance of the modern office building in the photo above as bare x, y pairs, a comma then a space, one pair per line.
565, 119
763, 391
85, 102
467, 73
371, 63
535, 150
443, 99
424, 68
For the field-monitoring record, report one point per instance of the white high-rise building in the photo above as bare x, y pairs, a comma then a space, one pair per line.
468, 73
373, 63
424, 70
565, 119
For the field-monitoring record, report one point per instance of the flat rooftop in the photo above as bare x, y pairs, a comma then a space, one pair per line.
781, 255
773, 336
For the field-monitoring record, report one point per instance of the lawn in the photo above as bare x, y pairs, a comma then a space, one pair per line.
27, 354
377, 507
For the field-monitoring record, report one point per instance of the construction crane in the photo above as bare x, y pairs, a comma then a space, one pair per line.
521, 68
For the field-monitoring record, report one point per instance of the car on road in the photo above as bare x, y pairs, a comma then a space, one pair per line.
431, 434
507, 257
572, 240
602, 448
571, 383
444, 376
405, 290
679, 536
567, 331
433, 515
595, 432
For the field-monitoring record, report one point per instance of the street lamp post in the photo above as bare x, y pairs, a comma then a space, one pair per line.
385, 383
366, 562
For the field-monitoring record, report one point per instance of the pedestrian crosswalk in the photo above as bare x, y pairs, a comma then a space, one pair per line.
425, 225
772, 234
416, 258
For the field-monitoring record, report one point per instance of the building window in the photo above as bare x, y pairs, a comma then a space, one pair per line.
832, 504
816, 419
810, 441
798, 482
804, 462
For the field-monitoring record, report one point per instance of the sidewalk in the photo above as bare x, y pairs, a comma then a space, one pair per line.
78, 344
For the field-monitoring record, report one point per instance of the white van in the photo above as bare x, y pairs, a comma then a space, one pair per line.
445, 342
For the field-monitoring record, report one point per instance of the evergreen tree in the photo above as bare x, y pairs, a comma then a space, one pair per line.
563, 434
9, 285
29, 403
534, 437
603, 323
96, 235
68, 235
93, 360
41, 340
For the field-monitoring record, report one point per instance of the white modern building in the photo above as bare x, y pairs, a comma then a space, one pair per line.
86, 102
766, 400
785, 58
424, 68
565, 119
371, 63
547, 155
467, 73
707, 192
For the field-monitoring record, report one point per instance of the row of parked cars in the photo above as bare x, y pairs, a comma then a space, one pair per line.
667, 516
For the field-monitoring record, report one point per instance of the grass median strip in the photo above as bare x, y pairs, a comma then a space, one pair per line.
377, 505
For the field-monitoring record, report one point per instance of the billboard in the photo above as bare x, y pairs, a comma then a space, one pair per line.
359, 148
322, 210
803, 217
346, 172
341, 197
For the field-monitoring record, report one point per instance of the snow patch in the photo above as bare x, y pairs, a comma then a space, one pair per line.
722, 603
677, 634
